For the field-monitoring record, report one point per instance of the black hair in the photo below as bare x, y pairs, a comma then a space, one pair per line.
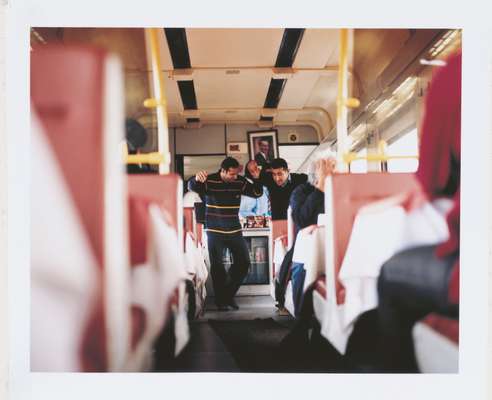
279, 163
229, 162
247, 174
136, 135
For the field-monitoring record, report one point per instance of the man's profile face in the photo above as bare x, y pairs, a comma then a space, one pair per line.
280, 176
264, 146
229, 175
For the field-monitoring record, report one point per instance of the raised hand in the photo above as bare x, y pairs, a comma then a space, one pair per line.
324, 168
254, 170
201, 176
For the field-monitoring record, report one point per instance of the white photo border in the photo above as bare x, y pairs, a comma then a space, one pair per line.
470, 383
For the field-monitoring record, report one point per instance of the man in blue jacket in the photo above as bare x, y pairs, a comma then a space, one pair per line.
222, 191
306, 203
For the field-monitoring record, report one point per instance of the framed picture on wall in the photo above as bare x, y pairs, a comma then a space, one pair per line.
237, 148
263, 146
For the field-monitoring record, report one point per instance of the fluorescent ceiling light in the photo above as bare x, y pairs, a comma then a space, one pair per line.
434, 63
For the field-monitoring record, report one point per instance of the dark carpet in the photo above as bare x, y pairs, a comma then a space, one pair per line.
264, 345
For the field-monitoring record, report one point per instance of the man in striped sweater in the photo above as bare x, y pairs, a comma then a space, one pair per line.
222, 191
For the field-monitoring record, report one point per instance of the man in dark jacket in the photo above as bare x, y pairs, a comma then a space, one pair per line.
222, 192
280, 184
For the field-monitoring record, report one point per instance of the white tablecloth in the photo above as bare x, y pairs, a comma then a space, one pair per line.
310, 251
378, 233
64, 269
167, 258
197, 271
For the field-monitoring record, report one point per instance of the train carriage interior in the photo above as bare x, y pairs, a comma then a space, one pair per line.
130, 131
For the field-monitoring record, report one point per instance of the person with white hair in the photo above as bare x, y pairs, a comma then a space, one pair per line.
307, 200
330, 158
306, 203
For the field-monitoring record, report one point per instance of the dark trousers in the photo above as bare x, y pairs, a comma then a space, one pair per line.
227, 283
298, 336
297, 274
283, 277
412, 284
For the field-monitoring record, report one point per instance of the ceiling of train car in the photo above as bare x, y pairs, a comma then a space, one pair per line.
230, 75
374, 49
234, 77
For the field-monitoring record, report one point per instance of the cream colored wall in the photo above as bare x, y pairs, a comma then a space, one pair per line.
209, 139
212, 139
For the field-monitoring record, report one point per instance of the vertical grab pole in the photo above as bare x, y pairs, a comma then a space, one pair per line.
161, 103
342, 96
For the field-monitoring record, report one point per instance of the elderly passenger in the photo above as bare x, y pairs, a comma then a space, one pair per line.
306, 202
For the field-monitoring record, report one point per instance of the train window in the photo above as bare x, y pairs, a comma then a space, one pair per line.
407, 145
359, 166
295, 154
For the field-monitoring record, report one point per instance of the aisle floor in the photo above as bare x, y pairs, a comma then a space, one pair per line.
249, 340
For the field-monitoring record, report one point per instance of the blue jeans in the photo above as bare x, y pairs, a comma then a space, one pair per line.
298, 274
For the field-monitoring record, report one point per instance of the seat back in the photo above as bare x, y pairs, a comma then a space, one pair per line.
278, 232
189, 222
188, 219
345, 194
291, 234
138, 213
77, 92
199, 233
64, 284
436, 344
279, 228
165, 190
157, 270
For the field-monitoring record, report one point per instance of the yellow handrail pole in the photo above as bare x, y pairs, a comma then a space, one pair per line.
342, 95
161, 103
147, 158
381, 155
350, 157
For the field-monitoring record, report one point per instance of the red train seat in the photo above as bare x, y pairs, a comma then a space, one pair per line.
165, 190
345, 195
343, 199
156, 279
350, 192
436, 340
189, 222
77, 92
279, 232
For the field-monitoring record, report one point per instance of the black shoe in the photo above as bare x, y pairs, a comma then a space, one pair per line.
223, 307
232, 303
